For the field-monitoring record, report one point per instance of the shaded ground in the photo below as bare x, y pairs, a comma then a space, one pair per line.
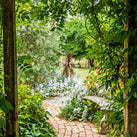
65, 128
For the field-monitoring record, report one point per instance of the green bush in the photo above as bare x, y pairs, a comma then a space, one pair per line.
5, 106
116, 122
78, 109
97, 117
32, 117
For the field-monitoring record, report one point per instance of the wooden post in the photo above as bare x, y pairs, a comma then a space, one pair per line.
132, 66
130, 110
10, 65
126, 72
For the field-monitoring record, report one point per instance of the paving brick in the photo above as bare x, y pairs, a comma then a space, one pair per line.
75, 131
72, 123
96, 135
91, 125
68, 128
56, 118
60, 135
88, 131
89, 135
75, 135
82, 133
68, 133
66, 124
85, 124
74, 127
61, 131
81, 129
87, 127
61, 126
79, 125
56, 125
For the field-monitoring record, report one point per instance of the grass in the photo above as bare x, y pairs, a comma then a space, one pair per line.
81, 73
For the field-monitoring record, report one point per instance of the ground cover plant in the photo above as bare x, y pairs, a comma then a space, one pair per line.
5, 107
32, 116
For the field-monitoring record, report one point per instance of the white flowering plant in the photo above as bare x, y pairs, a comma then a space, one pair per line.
75, 108
60, 86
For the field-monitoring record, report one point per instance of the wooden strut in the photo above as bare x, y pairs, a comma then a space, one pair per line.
10, 65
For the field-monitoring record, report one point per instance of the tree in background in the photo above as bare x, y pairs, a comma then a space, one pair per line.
73, 38
38, 54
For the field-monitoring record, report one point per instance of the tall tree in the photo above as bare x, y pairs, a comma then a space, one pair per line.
10, 62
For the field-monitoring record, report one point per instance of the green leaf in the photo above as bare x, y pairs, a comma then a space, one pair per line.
2, 122
135, 94
5, 106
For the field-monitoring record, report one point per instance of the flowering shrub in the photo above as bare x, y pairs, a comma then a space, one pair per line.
93, 84
98, 83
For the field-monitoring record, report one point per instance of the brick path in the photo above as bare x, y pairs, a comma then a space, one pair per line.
65, 128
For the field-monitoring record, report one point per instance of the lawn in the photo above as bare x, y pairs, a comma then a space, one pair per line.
81, 72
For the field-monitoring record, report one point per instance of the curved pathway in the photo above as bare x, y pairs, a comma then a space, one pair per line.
65, 128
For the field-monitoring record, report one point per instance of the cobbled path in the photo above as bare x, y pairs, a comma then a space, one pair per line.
65, 128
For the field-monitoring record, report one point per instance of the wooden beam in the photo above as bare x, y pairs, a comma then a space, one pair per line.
10, 65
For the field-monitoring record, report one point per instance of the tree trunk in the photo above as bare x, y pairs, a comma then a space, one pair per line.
10, 62
130, 110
